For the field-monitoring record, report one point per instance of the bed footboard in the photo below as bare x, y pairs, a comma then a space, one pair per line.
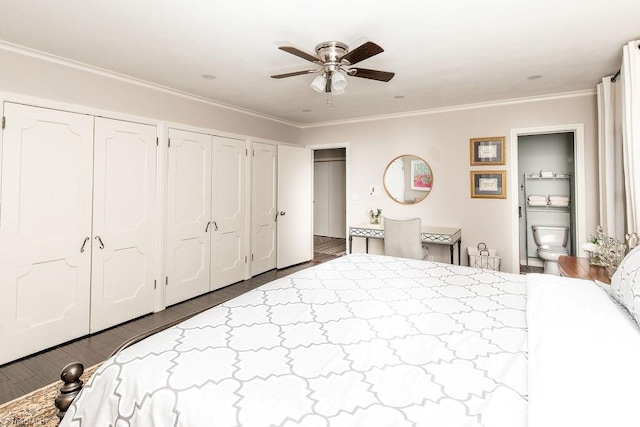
71, 373
70, 376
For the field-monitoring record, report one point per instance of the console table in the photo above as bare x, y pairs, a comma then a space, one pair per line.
438, 235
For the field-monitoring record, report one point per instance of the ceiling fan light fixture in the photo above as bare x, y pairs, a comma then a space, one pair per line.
338, 82
319, 83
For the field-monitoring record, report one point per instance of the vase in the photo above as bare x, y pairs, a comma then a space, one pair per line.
374, 219
594, 259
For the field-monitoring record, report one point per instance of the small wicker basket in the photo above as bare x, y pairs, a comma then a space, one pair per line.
482, 257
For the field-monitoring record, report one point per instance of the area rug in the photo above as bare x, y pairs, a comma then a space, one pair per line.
36, 408
329, 245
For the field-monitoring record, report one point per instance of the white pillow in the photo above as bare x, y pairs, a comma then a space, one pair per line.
625, 283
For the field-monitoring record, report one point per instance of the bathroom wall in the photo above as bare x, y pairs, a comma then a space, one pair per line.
552, 152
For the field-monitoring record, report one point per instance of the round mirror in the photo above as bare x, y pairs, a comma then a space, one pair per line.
408, 179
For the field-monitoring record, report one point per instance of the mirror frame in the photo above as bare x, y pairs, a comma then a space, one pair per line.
414, 157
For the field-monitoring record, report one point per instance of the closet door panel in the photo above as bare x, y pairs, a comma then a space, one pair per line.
263, 208
295, 200
337, 199
45, 217
188, 215
321, 198
124, 221
229, 210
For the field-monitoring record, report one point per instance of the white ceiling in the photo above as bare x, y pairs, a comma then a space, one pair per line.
444, 53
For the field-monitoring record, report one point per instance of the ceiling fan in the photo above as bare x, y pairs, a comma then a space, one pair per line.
335, 61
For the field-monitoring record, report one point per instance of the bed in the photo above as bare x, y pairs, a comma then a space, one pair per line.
372, 340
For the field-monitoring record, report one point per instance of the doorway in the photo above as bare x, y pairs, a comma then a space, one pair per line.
546, 165
547, 161
329, 202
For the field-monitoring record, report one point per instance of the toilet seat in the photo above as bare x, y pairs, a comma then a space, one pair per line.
551, 250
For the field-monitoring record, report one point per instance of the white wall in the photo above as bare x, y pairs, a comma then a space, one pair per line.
26, 75
442, 139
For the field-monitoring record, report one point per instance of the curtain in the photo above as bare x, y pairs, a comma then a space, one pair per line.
630, 77
611, 183
619, 147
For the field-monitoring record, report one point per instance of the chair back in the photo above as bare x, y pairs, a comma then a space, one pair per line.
402, 238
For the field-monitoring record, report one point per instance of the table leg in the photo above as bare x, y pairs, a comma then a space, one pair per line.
366, 245
451, 252
350, 243
459, 244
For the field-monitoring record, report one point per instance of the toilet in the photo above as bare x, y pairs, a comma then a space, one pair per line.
552, 243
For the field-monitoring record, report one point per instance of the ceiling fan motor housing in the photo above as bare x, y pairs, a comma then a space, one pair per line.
331, 52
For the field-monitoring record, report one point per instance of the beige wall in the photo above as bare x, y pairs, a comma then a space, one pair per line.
25, 75
442, 139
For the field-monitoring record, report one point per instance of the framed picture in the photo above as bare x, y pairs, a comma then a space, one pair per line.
487, 151
421, 177
489, 184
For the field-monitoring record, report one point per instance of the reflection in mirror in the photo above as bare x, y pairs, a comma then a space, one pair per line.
408, 179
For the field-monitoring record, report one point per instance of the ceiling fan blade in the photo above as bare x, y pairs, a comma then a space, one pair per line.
362, 52
297, 52
295, 73
383, 76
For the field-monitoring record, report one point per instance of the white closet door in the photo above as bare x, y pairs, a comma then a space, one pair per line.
295, 197
124, 221
188, 215
263, 207
228, 211
44, 220
321, 198
337, 199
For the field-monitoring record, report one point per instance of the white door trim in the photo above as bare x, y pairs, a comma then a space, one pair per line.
578, 182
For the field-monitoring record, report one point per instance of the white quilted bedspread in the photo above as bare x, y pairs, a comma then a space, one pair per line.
363, 340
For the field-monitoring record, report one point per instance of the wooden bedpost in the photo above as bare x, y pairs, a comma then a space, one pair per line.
70, 375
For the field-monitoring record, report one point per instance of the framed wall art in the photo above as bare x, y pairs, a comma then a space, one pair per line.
489, 184
487, 151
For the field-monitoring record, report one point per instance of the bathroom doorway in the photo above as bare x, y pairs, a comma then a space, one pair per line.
547, 191
546, 165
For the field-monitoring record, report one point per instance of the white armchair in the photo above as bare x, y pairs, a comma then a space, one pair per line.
402, 238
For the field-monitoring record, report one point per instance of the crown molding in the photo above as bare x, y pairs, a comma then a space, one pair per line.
33, 53
22, 50
463, 107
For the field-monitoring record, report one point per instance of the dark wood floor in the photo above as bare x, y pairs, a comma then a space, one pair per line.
31, 373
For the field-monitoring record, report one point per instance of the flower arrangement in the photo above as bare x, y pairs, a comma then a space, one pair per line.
375, 215
593, 247
605, 251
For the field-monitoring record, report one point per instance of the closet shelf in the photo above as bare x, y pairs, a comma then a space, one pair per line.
551, 178
562, 209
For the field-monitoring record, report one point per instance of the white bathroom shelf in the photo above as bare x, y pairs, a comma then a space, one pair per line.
545, 186
548, 208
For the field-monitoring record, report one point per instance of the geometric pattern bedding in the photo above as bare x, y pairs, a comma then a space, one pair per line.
362, 340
